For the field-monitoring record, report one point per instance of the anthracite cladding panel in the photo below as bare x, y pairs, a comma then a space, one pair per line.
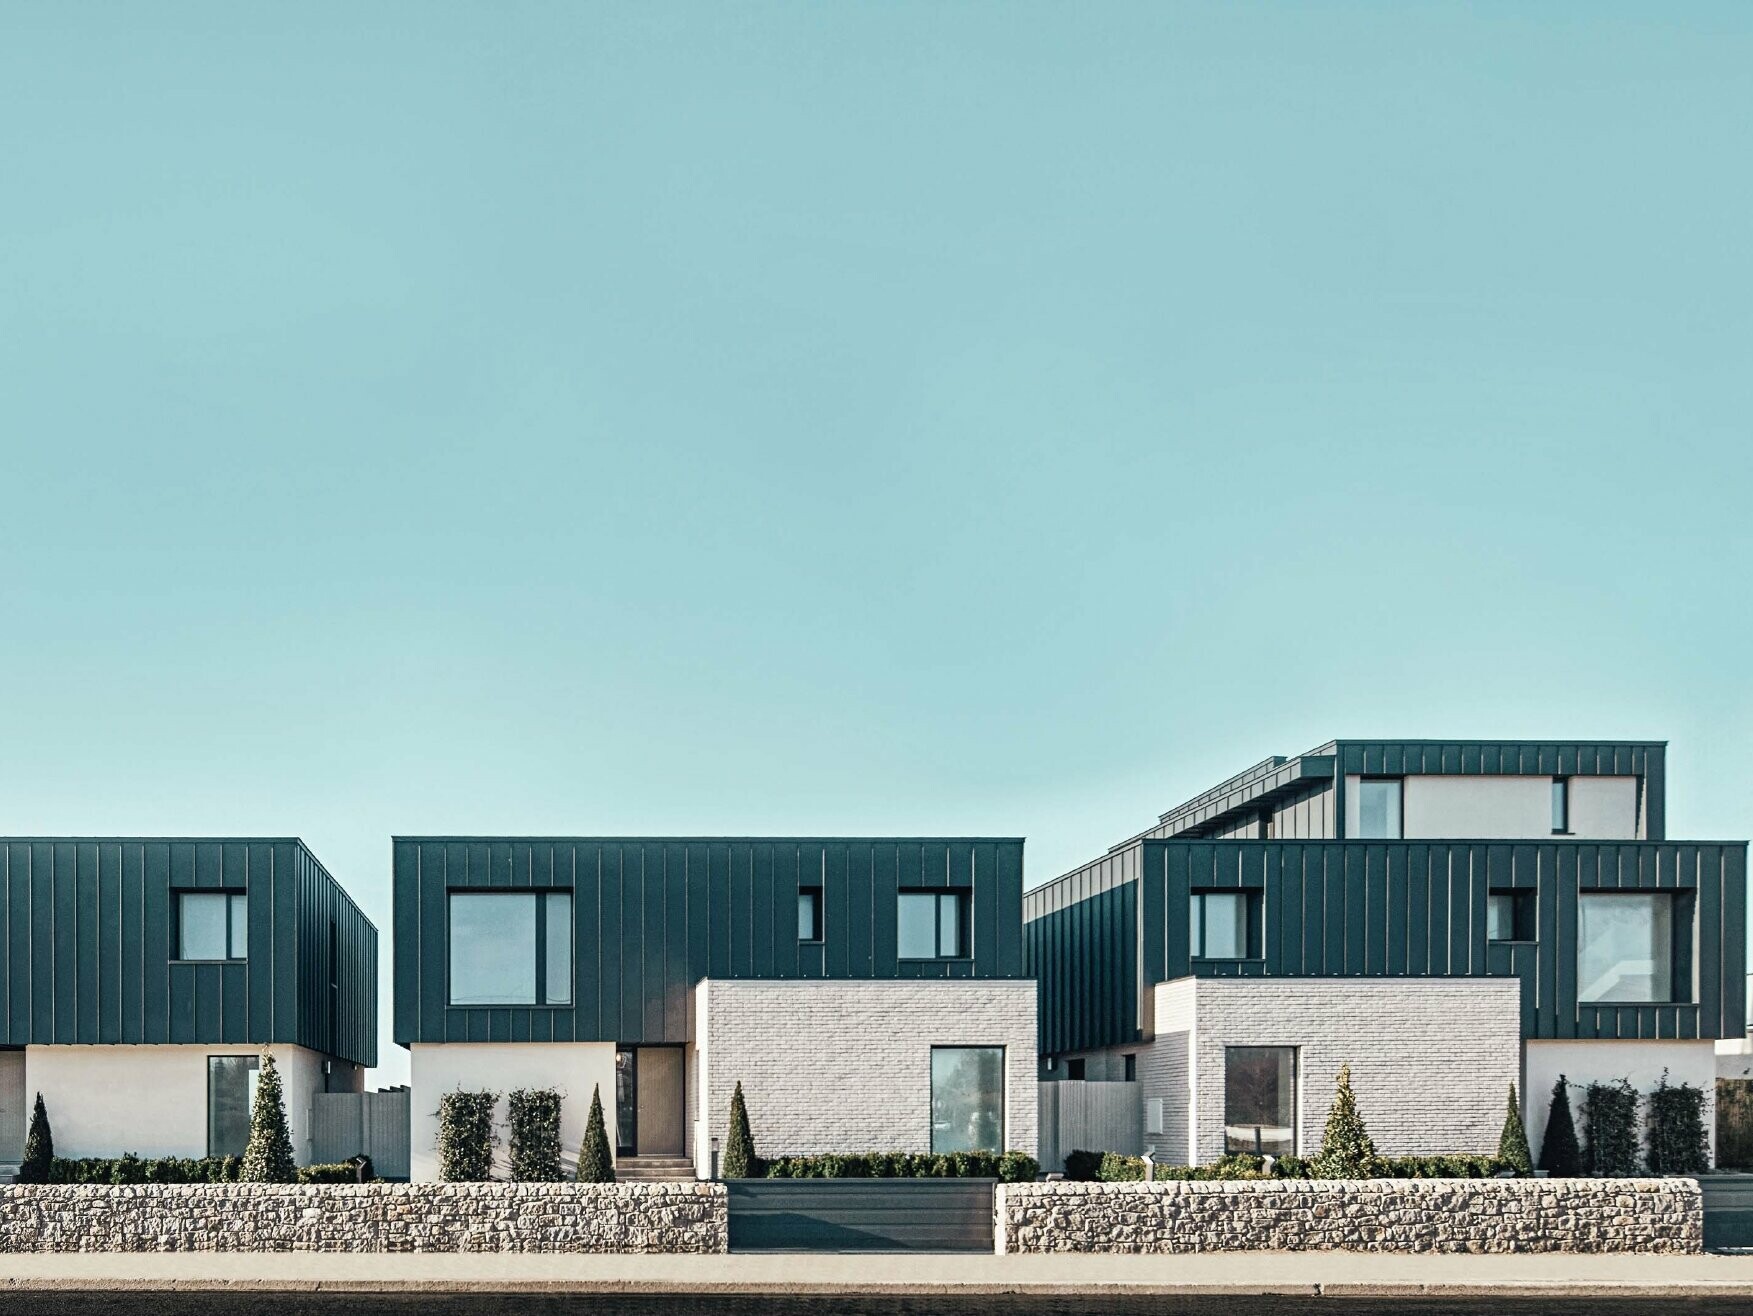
653, 916
1396, 909
87, 951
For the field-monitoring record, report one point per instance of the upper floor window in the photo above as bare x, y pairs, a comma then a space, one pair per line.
809, 913
932, 925
1222, 925
1625, 946
212, 925
1560, 805
511, 948
1378, 808
1509, 916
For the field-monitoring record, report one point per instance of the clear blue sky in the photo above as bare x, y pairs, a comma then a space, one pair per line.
569, 418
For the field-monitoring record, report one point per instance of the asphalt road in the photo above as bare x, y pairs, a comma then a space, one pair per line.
435, 1304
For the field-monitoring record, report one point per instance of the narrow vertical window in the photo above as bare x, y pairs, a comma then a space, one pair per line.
231, 1094
557, 941
809, 913
1560, 805
239, 909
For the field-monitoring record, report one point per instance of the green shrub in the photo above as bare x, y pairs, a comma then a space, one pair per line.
1082, 1166
465, 1136
1011, 1167
39, 1147
1346, 1149
268, 1156
1018, 1167
1610, 1115
1677, 1139
533, 1115
1560, 1156
740, 1161
338, 1172
595, 1164
1512, 1146
1112, 1167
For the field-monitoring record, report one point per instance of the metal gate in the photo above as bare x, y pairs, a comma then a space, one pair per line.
346, 1124
1093, 1116
1728, 1210
860, 1215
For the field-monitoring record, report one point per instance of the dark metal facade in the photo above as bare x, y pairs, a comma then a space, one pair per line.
88, 947
1390, 909
653, 916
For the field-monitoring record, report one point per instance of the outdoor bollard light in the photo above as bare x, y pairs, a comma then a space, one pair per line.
714, 1166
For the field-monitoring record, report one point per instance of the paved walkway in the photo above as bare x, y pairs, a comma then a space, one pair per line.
1305, 1273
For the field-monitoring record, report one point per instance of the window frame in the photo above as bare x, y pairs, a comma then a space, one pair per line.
819, 917
1681, 914
963, 898
1003, 1091
1523, 915
539, 951
1296, 1083
253, 1067
1399, 784
1252, 938
237, 901
1561, 806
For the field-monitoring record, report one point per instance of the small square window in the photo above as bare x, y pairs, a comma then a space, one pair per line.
932, 925
1509, 916
1223, 925
212, 925
809, 913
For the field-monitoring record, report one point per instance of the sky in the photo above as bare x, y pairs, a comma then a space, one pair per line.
975, 419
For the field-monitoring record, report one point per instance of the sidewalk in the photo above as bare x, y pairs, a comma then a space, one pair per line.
1312, 1274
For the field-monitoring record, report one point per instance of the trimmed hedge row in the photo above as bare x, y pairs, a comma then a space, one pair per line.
131, 1169
1111, 1167
1011, 1167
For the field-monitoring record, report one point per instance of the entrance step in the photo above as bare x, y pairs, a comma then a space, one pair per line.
654, 1169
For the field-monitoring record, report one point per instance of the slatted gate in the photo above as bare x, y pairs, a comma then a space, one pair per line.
345, 1124
861, 1215
1079, 1115
1728, 1210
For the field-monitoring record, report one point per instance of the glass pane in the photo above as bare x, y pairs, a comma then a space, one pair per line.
1499, 917
231, 1090
806, 915
949, 925
917, 931
1560, 805
558, 989
1196, 937
492, 949
240, 927
1259, 1100
1378, 810
1226, 925
967, 1098
1625, 947
202, 917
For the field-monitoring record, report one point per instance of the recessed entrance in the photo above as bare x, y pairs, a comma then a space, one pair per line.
650, 1101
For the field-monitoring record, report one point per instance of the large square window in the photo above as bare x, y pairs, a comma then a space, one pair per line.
231, 1095
511, 948
1378, 808
1222, 925
212, 925
1259, 1100
1625, 946
967, 1099
932, 925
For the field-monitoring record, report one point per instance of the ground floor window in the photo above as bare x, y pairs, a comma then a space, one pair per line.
231, 1093
1259, 1100
967, 1099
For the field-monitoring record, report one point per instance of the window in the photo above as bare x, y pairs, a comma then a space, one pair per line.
231, 1094
967, 1099
1153, 1115
1131, 1070
212, 925
511, 948
1509, 916
933, 925
1378, 808
1223, 925
1560, 805
1074, 1069
809, 913
1259, 1100
1625, 946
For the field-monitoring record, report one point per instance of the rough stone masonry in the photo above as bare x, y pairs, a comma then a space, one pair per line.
1376, 1215
381, 1217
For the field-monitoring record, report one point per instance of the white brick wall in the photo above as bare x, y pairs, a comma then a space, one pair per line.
846, 1066
1165, 1072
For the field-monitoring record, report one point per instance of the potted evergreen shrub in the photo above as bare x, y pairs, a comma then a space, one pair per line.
1560, 1155
595, 1164
1347, 1151
739, 1148
268, 1156
1512, 1146
39, 1147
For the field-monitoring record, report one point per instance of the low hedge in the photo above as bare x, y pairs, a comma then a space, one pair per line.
1111, 1167
132, 1169
1011, 1167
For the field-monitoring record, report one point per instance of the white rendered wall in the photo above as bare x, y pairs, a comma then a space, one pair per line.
845, 1066
1431, 1059
571, 1068
1461, 808
152, 1099
1597, 1061
1604, 808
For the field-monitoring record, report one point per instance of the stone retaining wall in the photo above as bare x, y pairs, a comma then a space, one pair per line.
382, 1217
1379, 1215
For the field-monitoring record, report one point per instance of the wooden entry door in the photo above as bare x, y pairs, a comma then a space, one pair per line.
13, 1115
661, 1105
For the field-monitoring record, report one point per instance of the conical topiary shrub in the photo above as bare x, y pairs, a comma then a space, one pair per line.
739, 1148
1512, 1147
595, 1164
1560, 1154
39, 1147
1346, 1149
268, 1157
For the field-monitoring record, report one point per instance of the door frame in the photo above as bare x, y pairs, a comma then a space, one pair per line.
627, 1112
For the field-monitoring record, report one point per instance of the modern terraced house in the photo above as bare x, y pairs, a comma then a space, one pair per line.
867, 994
1445, 917
143, 977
